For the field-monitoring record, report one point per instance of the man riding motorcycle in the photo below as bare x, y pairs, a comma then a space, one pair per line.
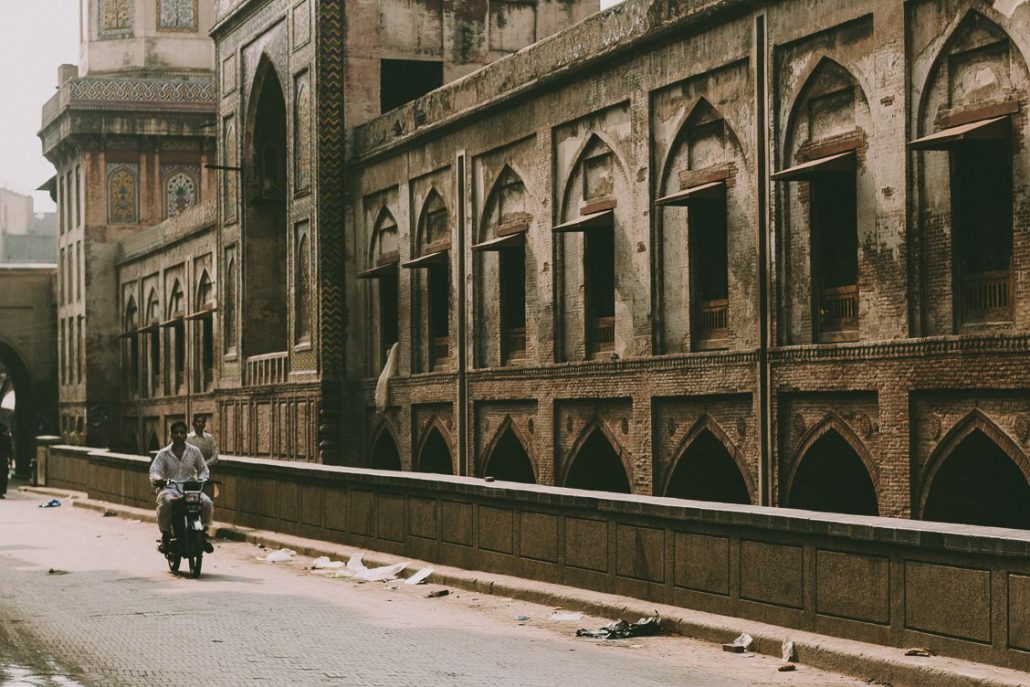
179, 461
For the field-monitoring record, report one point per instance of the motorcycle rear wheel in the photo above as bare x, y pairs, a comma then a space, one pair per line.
195, 564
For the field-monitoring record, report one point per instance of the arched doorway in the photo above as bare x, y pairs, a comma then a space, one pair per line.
509, 461
18, 407
979, 484
384, 453
265, 233
832, 478
706, 471
596, 466
435, 457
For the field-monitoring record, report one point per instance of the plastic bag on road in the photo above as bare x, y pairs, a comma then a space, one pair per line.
645, 627
565, 617
356, 569
279, 556
52, 503
323, 563
420, 577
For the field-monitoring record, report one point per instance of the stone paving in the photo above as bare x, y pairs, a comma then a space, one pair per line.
111, 614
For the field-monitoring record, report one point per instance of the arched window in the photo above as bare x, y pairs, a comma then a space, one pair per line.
433, 294
129, 328
205, 332
382, 274
153, 344
302, 289
176, 339
180, 193
229, 303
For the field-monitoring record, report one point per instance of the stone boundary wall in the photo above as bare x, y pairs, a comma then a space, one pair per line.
962, 591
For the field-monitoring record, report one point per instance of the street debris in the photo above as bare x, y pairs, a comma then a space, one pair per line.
521, 618
918, 651
420, 577
740, 645
52, 503
357, 570
55, 571
324, 563
109, 514
565, 617
645, 627
278, 556
787, 668
438, 594
788, 651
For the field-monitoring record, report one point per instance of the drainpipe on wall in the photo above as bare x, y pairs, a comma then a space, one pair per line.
462, 319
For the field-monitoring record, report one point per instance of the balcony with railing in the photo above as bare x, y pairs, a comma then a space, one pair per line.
602, 334
514, 343
713, 323
987, 296
838, 313
267, 369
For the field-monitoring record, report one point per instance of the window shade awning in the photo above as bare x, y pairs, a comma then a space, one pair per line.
379, 271
831, 164
595, 220
994, 129
201, 314
502, 242
713, 190
430, 260
172, 321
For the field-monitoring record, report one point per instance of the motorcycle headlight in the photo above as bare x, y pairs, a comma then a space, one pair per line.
192, 498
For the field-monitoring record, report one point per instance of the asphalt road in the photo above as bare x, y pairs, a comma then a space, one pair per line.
87, 600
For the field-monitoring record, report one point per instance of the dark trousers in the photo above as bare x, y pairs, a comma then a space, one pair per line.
4, 471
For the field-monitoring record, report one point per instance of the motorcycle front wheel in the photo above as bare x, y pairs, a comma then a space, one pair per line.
195, 563
174, 561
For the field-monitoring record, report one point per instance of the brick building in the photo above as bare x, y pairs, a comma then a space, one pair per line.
726, 250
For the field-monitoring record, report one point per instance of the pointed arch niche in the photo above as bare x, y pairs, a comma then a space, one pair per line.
707, 468
969, 143
265, 300
833, 472
500, 272
434, 455
829, 208
507, 458
385, 455
431, 284
596, 464
977, 476
590, 246
695, 203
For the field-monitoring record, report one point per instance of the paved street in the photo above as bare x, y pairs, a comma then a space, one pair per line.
111, 614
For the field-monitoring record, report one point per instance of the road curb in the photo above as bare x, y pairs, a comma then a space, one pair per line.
872, 662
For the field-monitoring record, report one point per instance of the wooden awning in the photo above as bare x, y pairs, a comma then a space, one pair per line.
172, 321
425, 261
831, 164
502, 242
595, 220
713, 190
379, 271
202, 313
993, 129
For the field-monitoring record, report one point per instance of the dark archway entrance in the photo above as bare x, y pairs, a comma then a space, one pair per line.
509, 460
265, 229
832, 478
435, 456
979, 484
596, 466
384, 454
18, 408
707, 472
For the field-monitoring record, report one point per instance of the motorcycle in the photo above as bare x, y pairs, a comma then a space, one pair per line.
188, 538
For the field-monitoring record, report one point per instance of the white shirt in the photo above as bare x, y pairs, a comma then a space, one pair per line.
167, 466
206, 444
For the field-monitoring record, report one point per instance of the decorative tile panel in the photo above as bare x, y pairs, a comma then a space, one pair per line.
230, 177
180, 188
177, 15
115, 18
123, 193
302, 132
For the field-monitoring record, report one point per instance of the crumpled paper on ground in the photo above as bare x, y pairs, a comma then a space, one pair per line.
278, 556
645, 627
357, 570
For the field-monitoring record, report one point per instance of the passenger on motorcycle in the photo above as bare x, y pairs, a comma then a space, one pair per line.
178, 461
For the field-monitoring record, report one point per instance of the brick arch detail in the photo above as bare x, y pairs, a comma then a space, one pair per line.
514, 168
435, 424
706, 423
509, 424
811, 69
681, 129
596, 424
831, 423
620, 165
975, 421
384, 428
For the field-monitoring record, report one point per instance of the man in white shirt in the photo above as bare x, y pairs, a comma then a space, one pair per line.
179, 461
203, 440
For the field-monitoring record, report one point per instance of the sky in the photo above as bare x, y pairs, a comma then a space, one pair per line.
35, 38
